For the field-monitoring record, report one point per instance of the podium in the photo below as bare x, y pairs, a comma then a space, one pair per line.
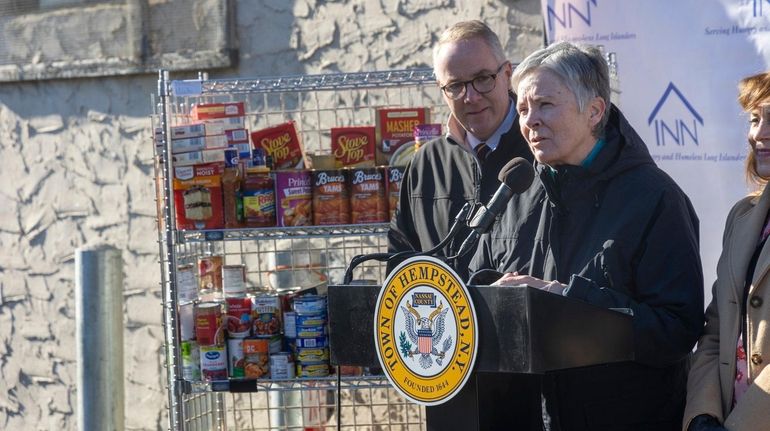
523, 332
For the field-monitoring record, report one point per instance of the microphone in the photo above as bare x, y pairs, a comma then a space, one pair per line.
515, 177
460, 219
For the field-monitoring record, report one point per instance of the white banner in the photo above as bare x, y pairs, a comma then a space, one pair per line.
678, 66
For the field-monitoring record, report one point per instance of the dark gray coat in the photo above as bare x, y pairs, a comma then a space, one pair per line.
621, 234
439, 180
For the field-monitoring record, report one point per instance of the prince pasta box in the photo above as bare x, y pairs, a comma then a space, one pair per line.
198, 196
353, 146
280, 142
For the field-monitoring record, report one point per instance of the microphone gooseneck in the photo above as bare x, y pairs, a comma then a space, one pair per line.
515, 177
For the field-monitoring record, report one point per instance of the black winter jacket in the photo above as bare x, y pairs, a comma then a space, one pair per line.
621, 234
440, 179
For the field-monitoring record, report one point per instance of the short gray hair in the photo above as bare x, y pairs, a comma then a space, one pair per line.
582, 68
466, 30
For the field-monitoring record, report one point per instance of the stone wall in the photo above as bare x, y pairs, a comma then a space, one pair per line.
76, 164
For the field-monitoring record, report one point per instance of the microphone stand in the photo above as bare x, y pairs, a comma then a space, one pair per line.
460, 219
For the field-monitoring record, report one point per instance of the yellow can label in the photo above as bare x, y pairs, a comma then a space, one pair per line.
425, 331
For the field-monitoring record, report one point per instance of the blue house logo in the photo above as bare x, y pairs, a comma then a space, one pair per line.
570, 12
674, 118
758, 7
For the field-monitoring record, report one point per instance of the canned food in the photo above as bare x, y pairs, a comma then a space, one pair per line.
310, 331
322, 341
286, 297
312, 354
256, 357
275, 344
208, 324
234, 279
213, 363
187, 321
331, 202
238, 316
266, 312
313, 370
235, 357
191, 361
393, 187
310, 304
367, 196
290, 324
294, 198
310, 319
210, 275
281, 366
187, 289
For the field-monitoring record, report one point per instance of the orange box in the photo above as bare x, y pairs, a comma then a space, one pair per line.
353, 146
198, 196
395, 127
218, 110
281, 142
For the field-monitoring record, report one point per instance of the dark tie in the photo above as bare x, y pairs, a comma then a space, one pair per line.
482, 150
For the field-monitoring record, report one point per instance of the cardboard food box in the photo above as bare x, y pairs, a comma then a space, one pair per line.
239, 138
395, 127
353, 146
198, 196
184, 131
205, 111
198, 144
198, 157
281, 142
225, 124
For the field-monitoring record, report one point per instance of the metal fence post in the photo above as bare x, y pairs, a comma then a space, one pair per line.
99, 323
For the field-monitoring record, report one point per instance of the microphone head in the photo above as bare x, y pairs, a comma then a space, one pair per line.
517, 174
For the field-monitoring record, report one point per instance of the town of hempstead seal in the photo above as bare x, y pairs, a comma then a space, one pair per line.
425, 331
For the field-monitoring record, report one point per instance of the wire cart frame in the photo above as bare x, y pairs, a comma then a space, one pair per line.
316, 103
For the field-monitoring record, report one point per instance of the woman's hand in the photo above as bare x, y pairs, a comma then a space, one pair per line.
514, 279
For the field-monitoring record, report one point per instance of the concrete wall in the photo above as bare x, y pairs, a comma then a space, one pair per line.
76, 169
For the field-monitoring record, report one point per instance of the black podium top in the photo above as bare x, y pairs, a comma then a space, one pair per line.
521, 330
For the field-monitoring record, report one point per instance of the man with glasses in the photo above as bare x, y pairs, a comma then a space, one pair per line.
482, 135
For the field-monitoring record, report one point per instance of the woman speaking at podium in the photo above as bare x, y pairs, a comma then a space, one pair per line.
729, 383
603, 224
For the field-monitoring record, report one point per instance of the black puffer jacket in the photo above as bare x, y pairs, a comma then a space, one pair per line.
622, 235
441, 178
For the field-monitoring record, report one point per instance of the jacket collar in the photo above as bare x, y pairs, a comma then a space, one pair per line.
457, 132
747, 229
749, 232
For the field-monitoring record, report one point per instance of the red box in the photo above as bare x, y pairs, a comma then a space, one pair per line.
395, 127
198, 196
282, 144
353, 146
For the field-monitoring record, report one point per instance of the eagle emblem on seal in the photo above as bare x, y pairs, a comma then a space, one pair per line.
426, 333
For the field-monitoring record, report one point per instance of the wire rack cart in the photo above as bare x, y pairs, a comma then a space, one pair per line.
316, 103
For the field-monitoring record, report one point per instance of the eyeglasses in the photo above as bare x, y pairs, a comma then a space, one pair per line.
482, 84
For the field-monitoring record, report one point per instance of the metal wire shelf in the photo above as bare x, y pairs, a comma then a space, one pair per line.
297, 232
284, 84
276, 258
256, 385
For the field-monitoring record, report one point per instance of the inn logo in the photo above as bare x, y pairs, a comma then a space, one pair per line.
425, 331
758, 6
674, 119
568, 13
